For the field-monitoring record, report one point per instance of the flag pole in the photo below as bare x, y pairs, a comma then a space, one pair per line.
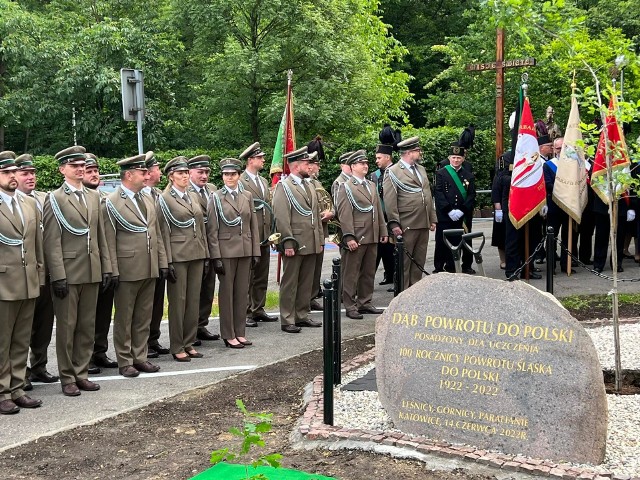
570, 226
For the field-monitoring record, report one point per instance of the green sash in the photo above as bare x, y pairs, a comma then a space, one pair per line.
456, 179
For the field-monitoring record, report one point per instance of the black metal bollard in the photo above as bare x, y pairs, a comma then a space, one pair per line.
398, 273
336, 278
551, 253
328, 297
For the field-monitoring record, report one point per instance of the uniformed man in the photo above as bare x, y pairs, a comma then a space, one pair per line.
251, 180
199, 171
104, 304
409, 206
21, 276
345, 174
155, 349
78, 260
234, 247
185, 242
297, 214
43, 314
363, 227
455, 198
138, 258
384, 160
326, 214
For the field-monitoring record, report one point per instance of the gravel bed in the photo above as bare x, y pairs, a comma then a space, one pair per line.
363, 410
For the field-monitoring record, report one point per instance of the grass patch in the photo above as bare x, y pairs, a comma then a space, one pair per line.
585, 307
272, 303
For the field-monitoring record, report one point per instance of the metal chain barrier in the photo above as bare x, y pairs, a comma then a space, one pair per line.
589, 269
517, 273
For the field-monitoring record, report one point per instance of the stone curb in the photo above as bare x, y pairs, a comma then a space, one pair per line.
313, 430
603, 322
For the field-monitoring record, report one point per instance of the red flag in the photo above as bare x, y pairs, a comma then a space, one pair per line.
527, 194
286, 141
616, 150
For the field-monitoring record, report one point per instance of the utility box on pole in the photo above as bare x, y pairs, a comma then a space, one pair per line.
132, 82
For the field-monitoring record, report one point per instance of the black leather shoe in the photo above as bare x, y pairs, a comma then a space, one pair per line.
156, 347
309, 322
392, 289
370, 309
250, 322
26, 401
194, 354
181, 359
532, 276
104, 362
539, 261
204, 334
264, 317
597, 269
152, 354
93, 370
316, 306
290, 329
355, 315
469, 271
197, 343
385, 281
8, 407
44, 377
620, 269
27, 385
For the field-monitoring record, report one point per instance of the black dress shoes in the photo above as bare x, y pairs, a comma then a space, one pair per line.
204, 334
385, 281
152, 354
469, 271
26, 401
597, 269
146, 367
197, 343
316, 306
104, 362
290, 329
355, 315
27, 385
8, 407
44, 377
370, 309
309, 322
532, 276
129, 371
159, 349
70, 390
392, 289
194, 354
87, 385
250, 322
181, 359
232, 345
93, 370
264, 317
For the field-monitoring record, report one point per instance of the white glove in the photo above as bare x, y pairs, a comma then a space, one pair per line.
453, 215
544, 210
498, 216
459, 214
631, 215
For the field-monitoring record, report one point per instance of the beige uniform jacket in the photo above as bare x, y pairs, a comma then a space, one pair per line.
78, 258
20, 278
182, 244
208, 188
408, 209
263, 215
306, 229
238, 241
363, 227
133, 258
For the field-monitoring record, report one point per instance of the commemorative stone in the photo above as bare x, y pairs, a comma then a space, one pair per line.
493, 364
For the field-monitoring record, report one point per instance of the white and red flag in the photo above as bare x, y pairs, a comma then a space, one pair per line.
527, 194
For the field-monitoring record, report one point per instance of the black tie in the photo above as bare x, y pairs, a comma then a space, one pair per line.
234, 196
203, 194
141, 205
306, 189
414, 170
16, 213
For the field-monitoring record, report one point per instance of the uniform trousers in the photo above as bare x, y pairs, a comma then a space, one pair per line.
233, 295
184, 297
385, 253
41, 330
134, 304
104, 309
317, 273
585, 236
415, 241
16, 318
358, 272
75, 328
258, 283
207, 291
602, 237
295, 288
158, 311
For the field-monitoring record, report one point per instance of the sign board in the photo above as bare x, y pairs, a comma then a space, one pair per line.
132, 84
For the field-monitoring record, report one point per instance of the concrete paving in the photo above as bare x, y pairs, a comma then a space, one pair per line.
118, 394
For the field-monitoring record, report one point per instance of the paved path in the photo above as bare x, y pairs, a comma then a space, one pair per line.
270, 345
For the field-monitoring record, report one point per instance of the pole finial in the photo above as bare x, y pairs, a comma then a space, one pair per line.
573, 83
